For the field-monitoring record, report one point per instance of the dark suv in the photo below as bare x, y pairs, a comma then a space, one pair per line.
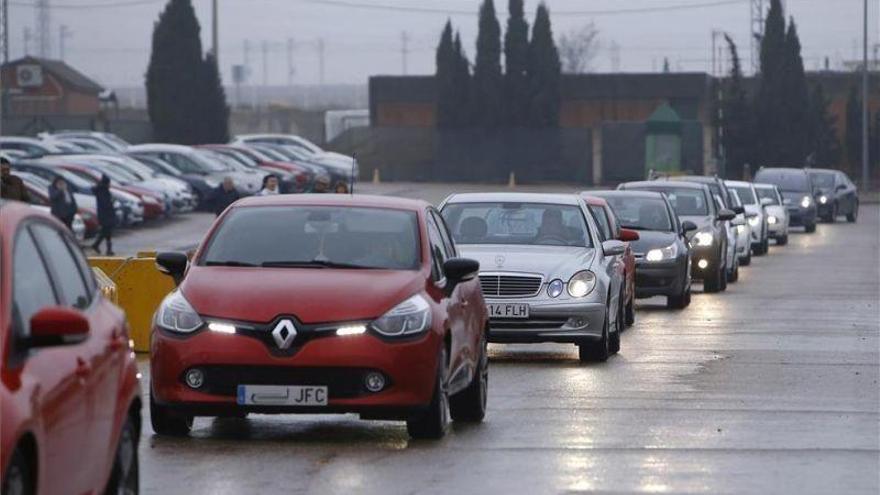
695, 203
797, 194
835, 194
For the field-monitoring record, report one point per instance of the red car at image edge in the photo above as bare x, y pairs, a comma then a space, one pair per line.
70, 395
322, 304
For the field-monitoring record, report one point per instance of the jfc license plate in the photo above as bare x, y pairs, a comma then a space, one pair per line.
508, 310
281, 395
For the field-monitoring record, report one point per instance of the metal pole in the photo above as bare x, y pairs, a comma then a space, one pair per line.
865, 175
215, 35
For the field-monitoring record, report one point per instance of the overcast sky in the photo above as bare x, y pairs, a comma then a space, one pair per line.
111, 44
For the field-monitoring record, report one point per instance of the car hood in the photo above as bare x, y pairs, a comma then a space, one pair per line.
311, 295
651, 239
550, 261
795, 196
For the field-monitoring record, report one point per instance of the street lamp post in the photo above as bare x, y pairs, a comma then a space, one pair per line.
865, 174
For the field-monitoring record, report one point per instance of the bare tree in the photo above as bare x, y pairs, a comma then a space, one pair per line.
578, 47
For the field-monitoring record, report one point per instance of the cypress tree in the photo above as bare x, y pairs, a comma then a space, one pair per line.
771, 124
445, 79
215, 113
823, 132
544, 73
461, 85
794, 137
488, 85
854, 129
736, 122
516, 52
174, 75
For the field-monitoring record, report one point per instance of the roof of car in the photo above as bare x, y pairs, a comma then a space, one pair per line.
494, 197
351, 200
822, 170
593, 200
180, 148
737, 183
690, 178
762, 185
788, 170
626, 194
665, 184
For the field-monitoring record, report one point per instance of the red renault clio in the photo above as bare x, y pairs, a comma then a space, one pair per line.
70, 407
322, 304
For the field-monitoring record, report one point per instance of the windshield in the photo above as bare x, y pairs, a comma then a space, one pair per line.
766, 192
117, 173
316, 236
685, 201
641, 213
207, 161
785, 181
745, 194
822, 180
517, 223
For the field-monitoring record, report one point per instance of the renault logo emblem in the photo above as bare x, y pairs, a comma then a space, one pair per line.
284, 333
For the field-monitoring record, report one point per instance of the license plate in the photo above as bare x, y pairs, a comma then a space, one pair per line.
281, 395
508, 310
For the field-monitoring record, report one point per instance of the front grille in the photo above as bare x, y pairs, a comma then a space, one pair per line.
340, 382
510, 285
530, 324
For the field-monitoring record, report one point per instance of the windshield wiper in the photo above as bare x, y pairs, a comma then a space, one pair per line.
228, 263
311, 264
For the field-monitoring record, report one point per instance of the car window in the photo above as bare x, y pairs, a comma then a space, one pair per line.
769, 193
685, 201
641, 213
445, 235
31, 287
785, 181
602, 221
435, 241
744, 193
65, 270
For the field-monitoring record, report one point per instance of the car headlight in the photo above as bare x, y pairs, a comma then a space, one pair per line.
741, 229
823, 199
555, 288
662, 254
409, 317
805, 202
703, 238
771, 220
581, 284
176, 314
754, 220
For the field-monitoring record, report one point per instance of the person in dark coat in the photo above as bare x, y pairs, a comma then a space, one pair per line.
106, 215
12, 187
62, 202
224, 195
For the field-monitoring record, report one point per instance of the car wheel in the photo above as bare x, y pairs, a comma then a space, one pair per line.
469, 405
18, 480
434, 421
124, 479
810, 227
630, 313
722, 285
734, 275
832, 217
614, 339
852, 216
782, 240
747, 260
596, 351
168, 422
712, 283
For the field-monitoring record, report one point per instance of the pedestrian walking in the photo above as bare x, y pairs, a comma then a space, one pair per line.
62, 203
11, 187
270, 186
106, 215
224, 195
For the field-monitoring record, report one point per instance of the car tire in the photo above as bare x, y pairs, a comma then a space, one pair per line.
832, 216
852, 216
810, 228
748, 258
469, 405
124, 478
614, 338
630, 313
433, 422
723, 280
19, 479
734, 275
712, 283
168, 422
782, 240
592, 351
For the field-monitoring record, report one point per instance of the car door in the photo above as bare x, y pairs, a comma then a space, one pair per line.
606, 232
59, 375
847, 193
610, 265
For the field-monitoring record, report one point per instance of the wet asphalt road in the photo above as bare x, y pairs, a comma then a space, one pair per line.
771, 387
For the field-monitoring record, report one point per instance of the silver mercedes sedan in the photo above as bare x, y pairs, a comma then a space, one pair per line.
546, 274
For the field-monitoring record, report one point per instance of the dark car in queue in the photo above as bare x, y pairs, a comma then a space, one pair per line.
662, 250
695, 203
835, 194
797, 194
322, 304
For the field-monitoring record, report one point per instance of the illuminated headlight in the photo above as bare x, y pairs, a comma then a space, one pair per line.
221, 327
805, 202
702, 264
741, 229
703, 238
771, 220
555, 288
351, 330
662, 254
754, 221
176, 314
822, 199
409, 317
581, 284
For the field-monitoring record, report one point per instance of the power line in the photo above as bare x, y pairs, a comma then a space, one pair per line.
90, 5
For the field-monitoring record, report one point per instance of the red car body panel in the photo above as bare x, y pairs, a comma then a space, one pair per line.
67, 403
629, 259
332, 296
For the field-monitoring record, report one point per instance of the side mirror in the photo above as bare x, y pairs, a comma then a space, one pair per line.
613, 248
628, 235
172, 264
739, 210
57, 325
461, 269
766, 202
840, 187
688, 226
725, 215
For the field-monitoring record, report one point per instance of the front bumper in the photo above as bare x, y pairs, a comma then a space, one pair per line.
799, 217
550, 320
661, 278
337, 362
713, 261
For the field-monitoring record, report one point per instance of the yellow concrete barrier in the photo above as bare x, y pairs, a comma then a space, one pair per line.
139, 288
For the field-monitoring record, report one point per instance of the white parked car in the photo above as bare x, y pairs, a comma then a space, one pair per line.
742, 226
777, 214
